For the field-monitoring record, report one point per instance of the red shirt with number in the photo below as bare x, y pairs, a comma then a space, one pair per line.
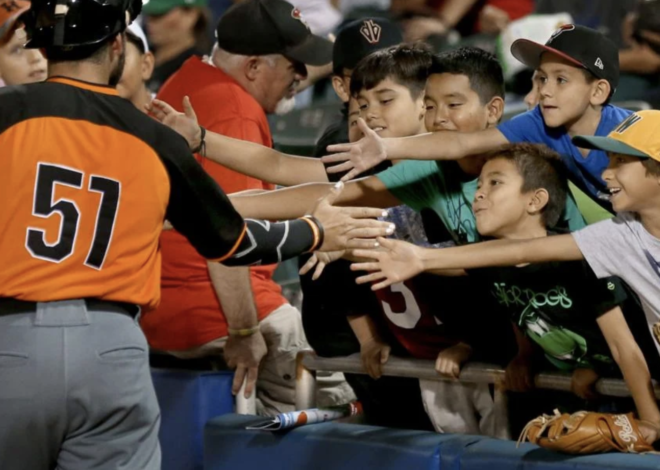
411, 320
190, 313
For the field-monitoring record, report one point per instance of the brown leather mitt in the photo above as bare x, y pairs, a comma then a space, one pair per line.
586, 433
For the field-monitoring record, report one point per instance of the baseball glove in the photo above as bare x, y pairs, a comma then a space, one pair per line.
586, 433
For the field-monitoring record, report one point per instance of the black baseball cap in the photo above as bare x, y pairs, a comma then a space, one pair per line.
582, 46
262, 27
359, 38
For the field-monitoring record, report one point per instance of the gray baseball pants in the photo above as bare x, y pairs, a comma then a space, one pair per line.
75, 391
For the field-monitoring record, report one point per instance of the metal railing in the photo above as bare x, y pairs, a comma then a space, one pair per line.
308, 363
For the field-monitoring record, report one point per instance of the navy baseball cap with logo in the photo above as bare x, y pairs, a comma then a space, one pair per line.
359, 38
582, 46
263, 27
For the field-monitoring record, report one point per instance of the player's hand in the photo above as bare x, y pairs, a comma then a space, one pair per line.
519, 375
184, 123
394, 261
320, 259
374, 354
582, 383
349, 227
359, 156
450, 360
245, 354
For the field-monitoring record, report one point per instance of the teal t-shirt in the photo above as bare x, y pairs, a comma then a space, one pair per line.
442, 187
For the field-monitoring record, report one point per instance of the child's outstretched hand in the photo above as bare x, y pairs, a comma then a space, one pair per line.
320, 259
393, 261
184, 123
450, 360
359, 156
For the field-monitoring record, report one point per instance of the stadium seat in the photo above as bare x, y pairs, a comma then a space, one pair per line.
298, 131
187, 401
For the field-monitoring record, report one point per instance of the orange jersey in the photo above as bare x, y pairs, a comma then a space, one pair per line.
86, 181
191, 313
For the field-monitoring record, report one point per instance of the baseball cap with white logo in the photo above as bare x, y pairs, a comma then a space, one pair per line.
359, 38
582, 46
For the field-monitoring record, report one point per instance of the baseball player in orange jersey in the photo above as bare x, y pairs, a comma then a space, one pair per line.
86, 182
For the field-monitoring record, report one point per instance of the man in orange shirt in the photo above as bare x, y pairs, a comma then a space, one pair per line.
259, 59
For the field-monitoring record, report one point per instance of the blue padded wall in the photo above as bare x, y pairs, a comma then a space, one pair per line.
228, 445
330, 446
187, 401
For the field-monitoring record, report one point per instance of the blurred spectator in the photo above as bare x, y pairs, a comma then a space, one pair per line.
321, 16
138, 68
437, 17
347, 6
641, 32
17, 64
177, 30
604, 16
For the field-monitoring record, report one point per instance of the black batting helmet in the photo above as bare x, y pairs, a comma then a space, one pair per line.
73, 23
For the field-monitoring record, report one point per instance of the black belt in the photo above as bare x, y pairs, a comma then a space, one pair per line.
10, 306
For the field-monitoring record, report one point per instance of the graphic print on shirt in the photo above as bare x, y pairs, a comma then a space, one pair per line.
564, 348
652, 262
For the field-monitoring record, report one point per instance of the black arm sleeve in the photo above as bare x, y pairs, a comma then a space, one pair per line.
267, 243
200, 210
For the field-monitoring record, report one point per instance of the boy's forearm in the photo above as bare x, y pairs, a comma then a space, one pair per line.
290, 203
501, 253
364, 328
636, 374
282, 204
443, 145
263, 162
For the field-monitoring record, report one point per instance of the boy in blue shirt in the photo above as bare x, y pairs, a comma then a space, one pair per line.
577, 71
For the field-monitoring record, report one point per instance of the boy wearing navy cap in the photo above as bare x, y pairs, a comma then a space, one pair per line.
355, 41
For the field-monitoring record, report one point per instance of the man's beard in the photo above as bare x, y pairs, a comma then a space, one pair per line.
285, 106
118, 71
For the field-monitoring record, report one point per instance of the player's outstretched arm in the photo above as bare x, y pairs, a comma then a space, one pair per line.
396, 261
372, 149
244, 157
329, 228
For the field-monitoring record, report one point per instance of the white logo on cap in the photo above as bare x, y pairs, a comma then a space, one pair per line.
562, 29
371, 31
296, 14
599, 64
